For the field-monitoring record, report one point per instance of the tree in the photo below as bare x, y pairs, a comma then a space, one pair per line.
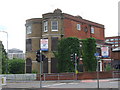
88, 51
17, 66
3, 59
66, 47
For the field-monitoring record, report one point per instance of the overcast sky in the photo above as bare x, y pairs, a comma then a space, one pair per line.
14, 13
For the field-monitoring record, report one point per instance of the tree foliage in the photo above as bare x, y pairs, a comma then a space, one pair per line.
88, 51
66, 47
3, 59
17, 66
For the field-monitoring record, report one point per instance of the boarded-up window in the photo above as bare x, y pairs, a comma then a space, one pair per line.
28, 65
28, 44
54, 68
45, 65
54, 42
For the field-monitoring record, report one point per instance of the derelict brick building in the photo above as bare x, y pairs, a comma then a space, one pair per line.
54, 26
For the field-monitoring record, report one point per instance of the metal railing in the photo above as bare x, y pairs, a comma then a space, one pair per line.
20, 77
116, 74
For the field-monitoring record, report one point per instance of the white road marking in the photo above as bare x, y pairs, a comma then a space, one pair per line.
54, 85
73, 83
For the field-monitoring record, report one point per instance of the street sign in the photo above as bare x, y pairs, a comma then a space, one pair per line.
96, 54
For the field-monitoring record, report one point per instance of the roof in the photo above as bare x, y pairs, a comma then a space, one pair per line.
116, 49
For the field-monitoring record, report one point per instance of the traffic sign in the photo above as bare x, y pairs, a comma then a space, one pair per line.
96, 54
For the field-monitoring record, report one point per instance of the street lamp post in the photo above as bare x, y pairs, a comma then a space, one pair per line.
6, 50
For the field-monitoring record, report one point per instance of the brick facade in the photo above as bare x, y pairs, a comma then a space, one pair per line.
70, 29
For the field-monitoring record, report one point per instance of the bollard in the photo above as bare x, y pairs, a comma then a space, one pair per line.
3, 80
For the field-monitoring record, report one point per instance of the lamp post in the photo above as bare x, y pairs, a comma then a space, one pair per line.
6, 50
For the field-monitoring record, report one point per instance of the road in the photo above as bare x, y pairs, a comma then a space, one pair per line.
103, 83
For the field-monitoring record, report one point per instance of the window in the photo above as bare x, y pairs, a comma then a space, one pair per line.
112, 42
54, 42
112, 45
92, 30
111, 39
85, 29
116, 45
78, 27
107, 40
116, 39
28, 44
54, 25
45, 26
29, 29
116, 42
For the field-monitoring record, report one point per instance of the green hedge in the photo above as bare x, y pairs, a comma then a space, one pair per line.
16, 66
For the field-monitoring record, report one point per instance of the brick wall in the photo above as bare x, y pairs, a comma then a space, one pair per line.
116, 55
70, 30
73, 76
93, 75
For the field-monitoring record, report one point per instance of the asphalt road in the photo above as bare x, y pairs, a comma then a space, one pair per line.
103, 83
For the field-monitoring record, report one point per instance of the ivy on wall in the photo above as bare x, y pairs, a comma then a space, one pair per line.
72, 45
88, 51
66, 47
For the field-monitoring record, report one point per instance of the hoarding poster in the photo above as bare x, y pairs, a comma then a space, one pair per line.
105, 52
44, 44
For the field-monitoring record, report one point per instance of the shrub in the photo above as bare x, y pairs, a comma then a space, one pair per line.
108, 67
17, 66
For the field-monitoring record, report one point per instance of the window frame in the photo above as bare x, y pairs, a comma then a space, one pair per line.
92, 30
116, 39
107, 40
54, 25
112, 39
78, 26
29, 29
116, 45
45, 24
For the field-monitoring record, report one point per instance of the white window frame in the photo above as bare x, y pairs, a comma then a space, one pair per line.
112, 45
92, 30
54, 26
45, 26
116, 39
78, 26
107, 40
29, 29
111, 39
116, 45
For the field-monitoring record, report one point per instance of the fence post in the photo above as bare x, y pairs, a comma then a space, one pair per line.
58, 77
14, 76
44, 76
74, 76
113, 74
